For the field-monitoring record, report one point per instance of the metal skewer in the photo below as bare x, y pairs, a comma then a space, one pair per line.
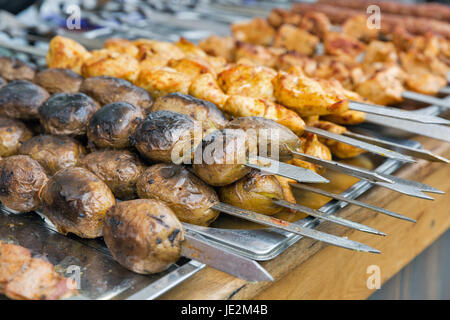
425, 99
352, 201
445, 90
292, 227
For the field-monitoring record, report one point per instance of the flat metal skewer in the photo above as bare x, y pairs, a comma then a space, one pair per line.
360, 144
294, 228
414, 152
445, 90
351, 201
426, 99
396, 113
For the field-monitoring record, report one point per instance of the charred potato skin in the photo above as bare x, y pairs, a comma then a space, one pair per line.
67, 113
105, 90
21, 179
254, 192
21, 99
53, 152
13, 133
200, 110
160, 133
56, 80
15, 69
287, 140
214, 168
143, 235
112, 125
120, 171
75, 200
189, 197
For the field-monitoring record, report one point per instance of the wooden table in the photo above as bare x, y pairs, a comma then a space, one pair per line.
313, 270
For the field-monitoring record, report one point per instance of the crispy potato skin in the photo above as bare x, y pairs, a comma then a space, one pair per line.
67, 113
120, 170
15, 69
189, 197
66, 53
21, 179
53, 152
105, 89
254, 192
13, 133
21, 99
112, 125
76, 201
161, 132
200, 110
162, 81
56, 80
221, 157
143, 235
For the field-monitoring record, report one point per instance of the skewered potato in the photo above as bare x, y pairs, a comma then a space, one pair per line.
118, 169
164, 136
56, 80
190, 198
112, 125
75, 200
200, 110
15, 69
21, 179
162, 81
143, 235
53, 152
254, 192
67, 113
105, 89
221, 157
66, 53
13, 134
21, 99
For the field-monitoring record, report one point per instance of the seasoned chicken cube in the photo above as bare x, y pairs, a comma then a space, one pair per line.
357, 28
255, 31
205, 87
312, 146
191, 66
66, 53
122, 46
380, 51
162, 81
110, 63
13, 260
343, 46
249, 81
329, 67
218, 46
299, 40
156, 53
189, 48
315, 23
258, 55
349, 117
294, 59
278, 17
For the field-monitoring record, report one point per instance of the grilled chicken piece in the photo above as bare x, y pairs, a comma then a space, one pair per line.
13, 133
122, 46
56, 80
120, 170
256, 31
291, 59
249, 81
154, 54
218, 46
305, 95
296, 39
76, 201
110, 63
343, 46
15, 69
21, 99
13, 261
21, 179
315, 23
380, 51
312, 146
143, 235
189, 197
53, 152
66, 53
162, 81
349, 117
258, 55
205, 87
277, 17
356, 27
191, 66
330, 67
190, 49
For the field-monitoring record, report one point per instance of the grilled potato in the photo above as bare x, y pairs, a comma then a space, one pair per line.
254, 192
66, 53
56, 80
67, 113
13, 134
143, 235
21, 179
21, 99
106, 90
190, 198
15, 69
120, 170
75, 200
162, 81
112, 125
53, 152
